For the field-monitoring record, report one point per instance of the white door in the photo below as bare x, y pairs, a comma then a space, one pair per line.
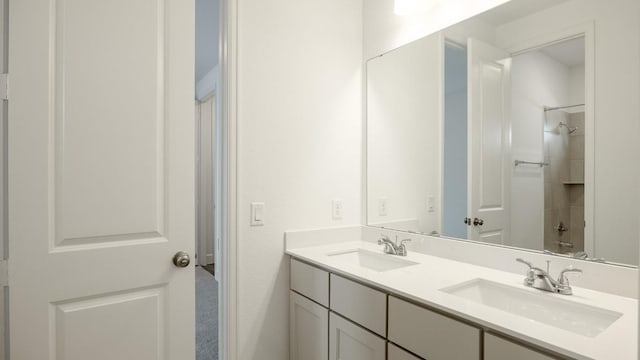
348, 341
489, 141
308, 329
101, 174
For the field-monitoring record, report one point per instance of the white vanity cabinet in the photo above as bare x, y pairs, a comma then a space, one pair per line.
496, 348
340, 326
335, 318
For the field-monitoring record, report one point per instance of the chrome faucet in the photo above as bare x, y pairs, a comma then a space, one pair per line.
393, 248
540, 279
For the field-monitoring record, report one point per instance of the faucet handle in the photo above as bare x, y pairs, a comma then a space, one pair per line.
562, 278
382, 239
402, 249
563, 283
530, 265
532, 272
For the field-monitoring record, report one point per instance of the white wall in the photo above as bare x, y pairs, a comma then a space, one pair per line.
299, 146
617, 170
576, 84
384, 31
404, 137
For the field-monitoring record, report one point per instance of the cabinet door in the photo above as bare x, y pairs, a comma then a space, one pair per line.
348, 341
496, 348
396, 353
308, 329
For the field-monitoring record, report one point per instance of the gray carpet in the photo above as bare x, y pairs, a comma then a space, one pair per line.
206, 315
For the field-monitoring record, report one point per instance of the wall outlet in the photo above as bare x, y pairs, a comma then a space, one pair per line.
382, 207
257, 214
431, 207
336, 209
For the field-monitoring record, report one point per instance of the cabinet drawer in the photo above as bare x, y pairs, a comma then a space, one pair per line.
431, 335
496, 348
360, 304
310, 282
396, 353
348, 341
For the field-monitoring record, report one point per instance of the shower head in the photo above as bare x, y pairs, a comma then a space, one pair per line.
571, 129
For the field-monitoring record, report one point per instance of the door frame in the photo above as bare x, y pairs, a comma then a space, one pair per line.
227, 100
202, 254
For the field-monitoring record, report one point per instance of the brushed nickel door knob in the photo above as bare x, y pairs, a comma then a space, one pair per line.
181, 259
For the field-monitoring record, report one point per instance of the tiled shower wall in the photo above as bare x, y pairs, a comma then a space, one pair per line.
576, 178
556, 199
564, 182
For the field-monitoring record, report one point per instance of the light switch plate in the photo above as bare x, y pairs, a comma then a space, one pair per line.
257, 214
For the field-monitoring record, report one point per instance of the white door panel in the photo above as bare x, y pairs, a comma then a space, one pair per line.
489, 141
101, 179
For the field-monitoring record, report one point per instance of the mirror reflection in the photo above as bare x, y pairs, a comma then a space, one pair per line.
486, 132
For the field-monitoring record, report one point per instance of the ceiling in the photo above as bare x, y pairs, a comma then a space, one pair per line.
569, 53
516, 9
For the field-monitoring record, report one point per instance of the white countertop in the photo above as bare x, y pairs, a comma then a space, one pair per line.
422, 283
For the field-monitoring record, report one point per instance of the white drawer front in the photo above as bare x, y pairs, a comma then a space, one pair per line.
496, 348
431, 335
310, 282
348, 341
396, 353
360, 304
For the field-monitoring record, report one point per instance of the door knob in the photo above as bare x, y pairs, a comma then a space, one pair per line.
181, 259
467, 221
477, 222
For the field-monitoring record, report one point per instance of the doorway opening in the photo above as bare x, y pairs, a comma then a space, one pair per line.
208, 177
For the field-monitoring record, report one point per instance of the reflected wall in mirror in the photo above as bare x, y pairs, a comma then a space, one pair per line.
487, 131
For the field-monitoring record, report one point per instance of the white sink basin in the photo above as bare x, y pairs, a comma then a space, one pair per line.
371, 260
540, 307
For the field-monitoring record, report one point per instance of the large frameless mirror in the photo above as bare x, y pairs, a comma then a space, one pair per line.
496, 130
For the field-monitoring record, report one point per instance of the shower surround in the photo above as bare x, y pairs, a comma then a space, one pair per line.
564, 182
